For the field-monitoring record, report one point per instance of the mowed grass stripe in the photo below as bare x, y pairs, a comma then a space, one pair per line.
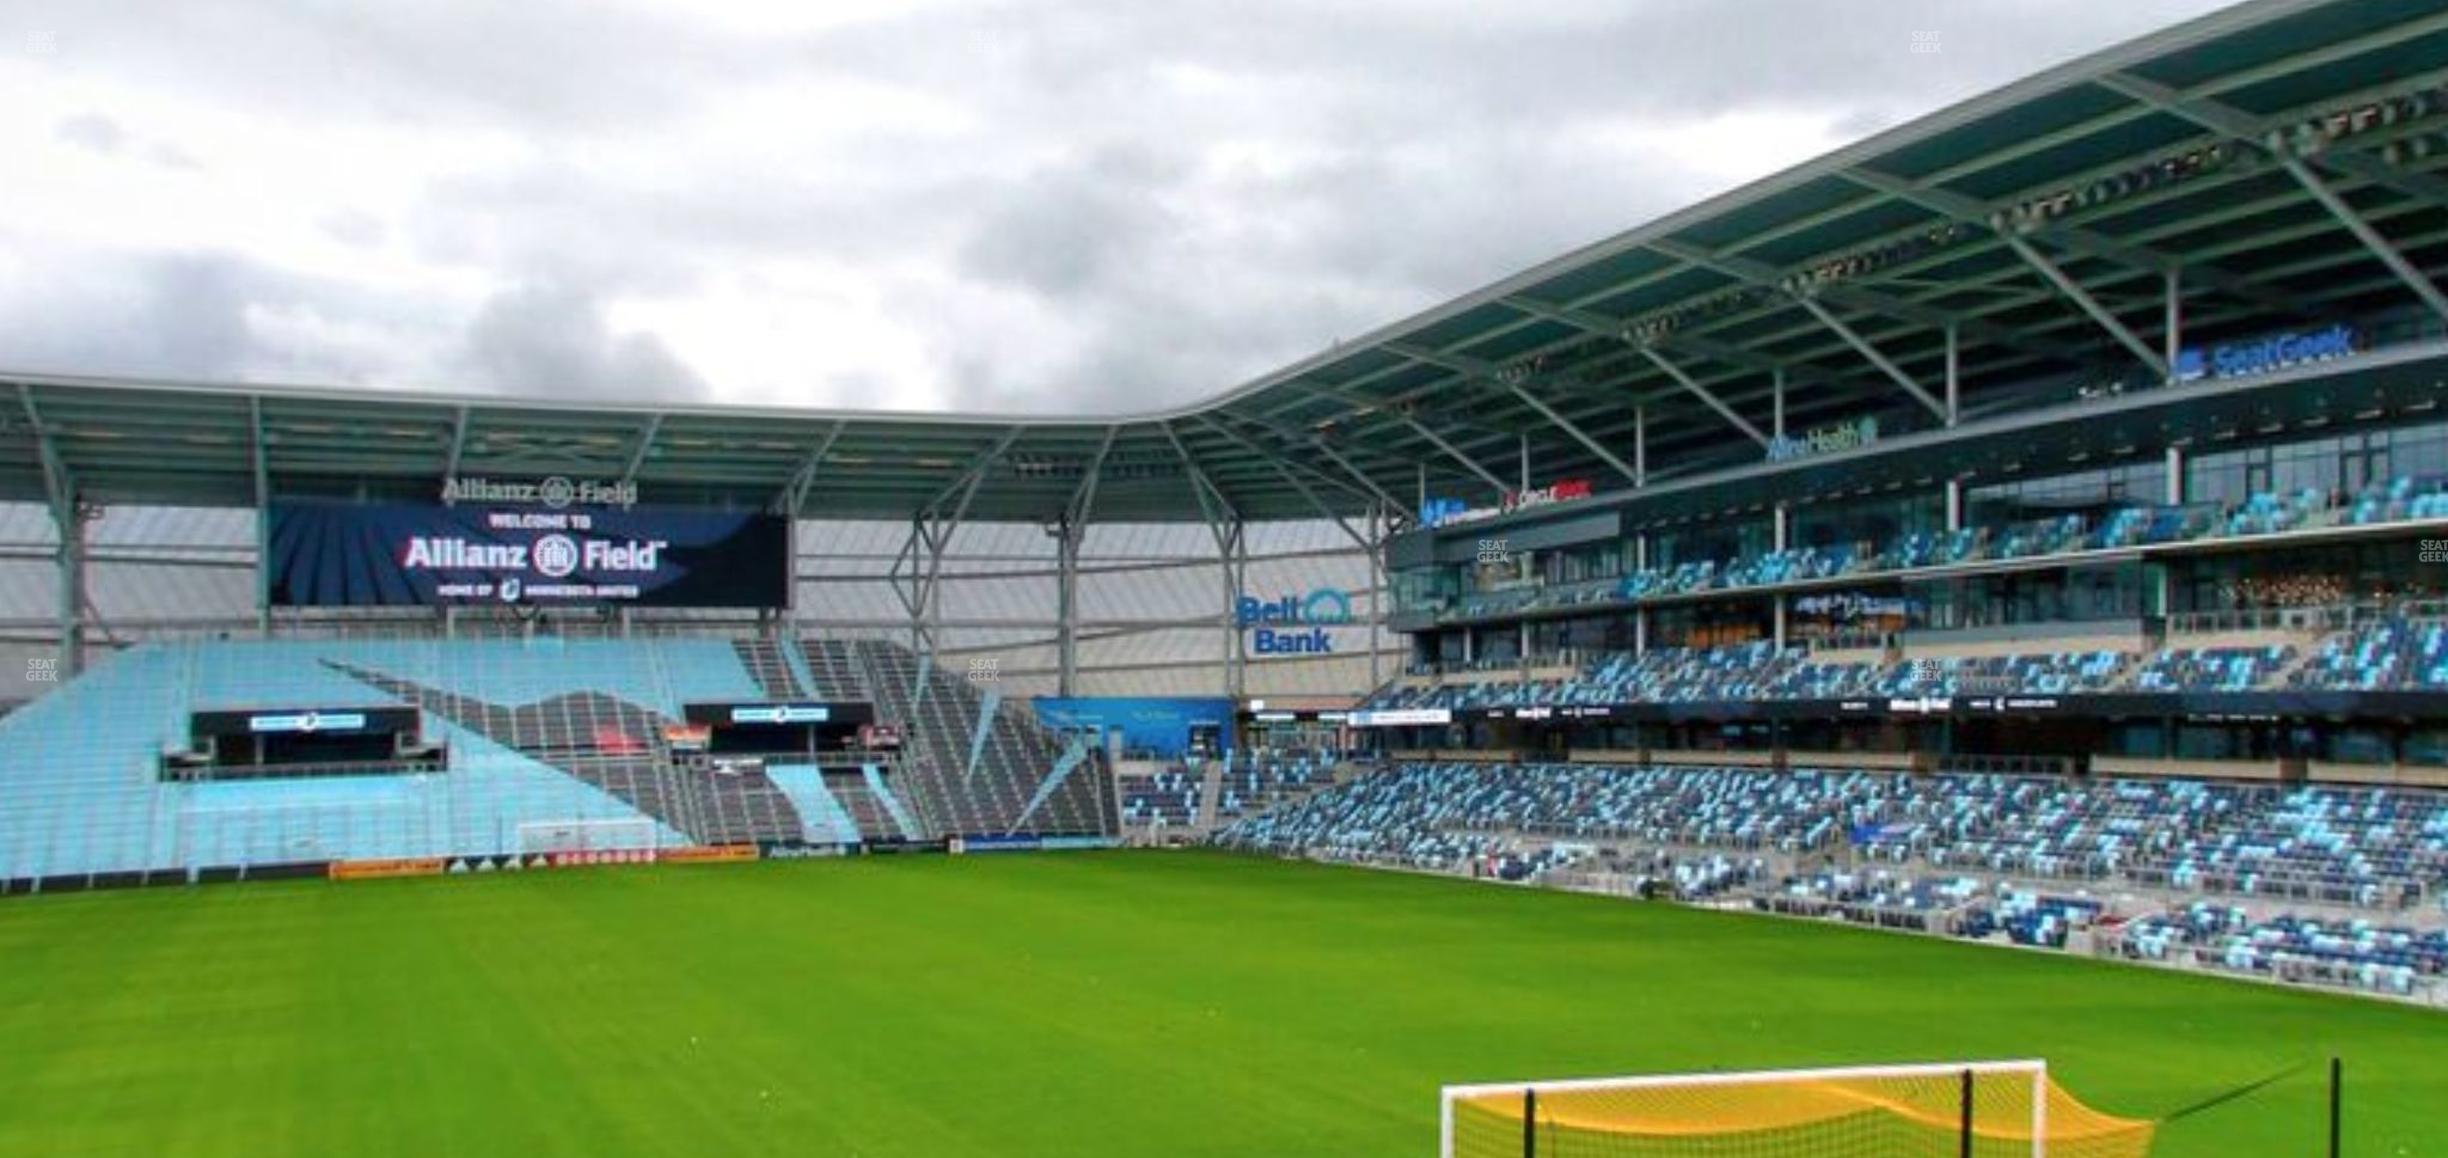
1077, 1004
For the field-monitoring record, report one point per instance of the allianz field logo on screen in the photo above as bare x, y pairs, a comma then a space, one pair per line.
1293, 624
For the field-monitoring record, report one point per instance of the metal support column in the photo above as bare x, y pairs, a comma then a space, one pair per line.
1066, 606
1640, 615
71, 523
1954, 376
1377, 593
2172, 340
1776, 391
1236, 573
1640, 445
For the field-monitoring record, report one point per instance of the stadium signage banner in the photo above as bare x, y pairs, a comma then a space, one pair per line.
388, 868
555, 493
308, 722
795, 713
1450, 512
1825, 439
407, 554
1267, 619
211, 722
1160, 725
708, 854
2265, 354
782, 714
1401, 717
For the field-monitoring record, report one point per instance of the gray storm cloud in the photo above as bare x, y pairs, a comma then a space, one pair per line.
1065, 208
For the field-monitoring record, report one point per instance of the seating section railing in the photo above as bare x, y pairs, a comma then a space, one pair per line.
1020, 780
2400, 650
2397, 499
2357, 953
1938, 852
541, 736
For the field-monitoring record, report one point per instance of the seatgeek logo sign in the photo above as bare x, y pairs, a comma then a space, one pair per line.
2265, 354
1293, 624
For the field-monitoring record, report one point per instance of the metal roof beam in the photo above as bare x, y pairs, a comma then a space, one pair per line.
1075, 512
1469, 367
1284, 469
1862, 346
1468, 463
1862, 297
2071, 289
793, 498
1358, 475
2379, 246
1389, 411
1765, 276
256, 450
1510, 381
59, 486
1707, 347
1275, 459
1209, 498
940, 538
2237, 125
974, 472
2072, 237
645, 445
1565, 425
1701, 392
1312, 438
2260, 132
458, 443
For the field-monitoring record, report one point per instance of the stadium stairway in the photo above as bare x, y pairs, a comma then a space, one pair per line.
870, 816
834, 670
543, 735
620, 748
885, 798
1019, 780
822, 818
776, 676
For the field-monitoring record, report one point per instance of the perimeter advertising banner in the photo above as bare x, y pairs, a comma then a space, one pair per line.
392, 554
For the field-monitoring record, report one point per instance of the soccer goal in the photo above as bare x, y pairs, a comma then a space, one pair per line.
1998, 1109
557, 836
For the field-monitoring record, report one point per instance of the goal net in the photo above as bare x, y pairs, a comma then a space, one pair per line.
1948, 1110
551, 836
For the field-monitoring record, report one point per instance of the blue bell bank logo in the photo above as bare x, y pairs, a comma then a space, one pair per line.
1293, 624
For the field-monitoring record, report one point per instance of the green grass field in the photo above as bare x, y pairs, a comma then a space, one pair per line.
1077, 1004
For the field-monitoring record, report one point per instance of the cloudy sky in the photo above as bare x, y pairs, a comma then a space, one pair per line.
934, 204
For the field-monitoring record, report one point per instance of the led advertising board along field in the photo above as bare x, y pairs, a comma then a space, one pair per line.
395, 554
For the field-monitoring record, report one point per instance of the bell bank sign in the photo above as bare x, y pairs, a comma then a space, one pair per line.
1293, 624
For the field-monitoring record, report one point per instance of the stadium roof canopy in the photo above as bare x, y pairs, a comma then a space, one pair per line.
2281, 161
